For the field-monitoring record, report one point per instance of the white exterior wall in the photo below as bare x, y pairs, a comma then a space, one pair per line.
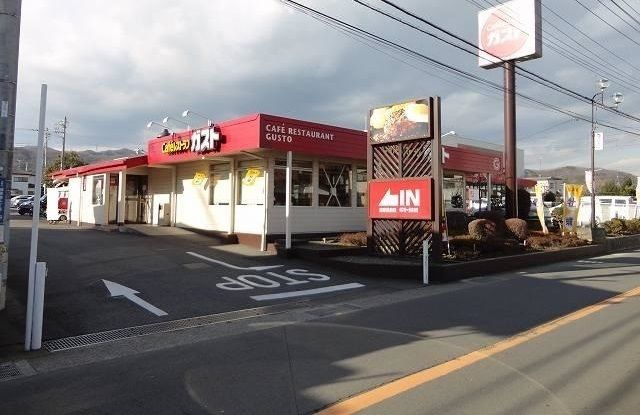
160, 190
75, 188
89, 212
310, 219
193, 209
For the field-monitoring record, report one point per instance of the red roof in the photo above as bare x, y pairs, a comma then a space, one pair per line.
108, 166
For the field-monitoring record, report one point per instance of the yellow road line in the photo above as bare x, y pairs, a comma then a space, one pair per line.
366, 399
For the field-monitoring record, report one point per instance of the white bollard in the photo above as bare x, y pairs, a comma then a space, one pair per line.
29, 312
425, 262
38, 305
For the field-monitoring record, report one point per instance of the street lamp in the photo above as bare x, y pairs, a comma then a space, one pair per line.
166, 119
448, 133
603, 84
186, 113
165, 130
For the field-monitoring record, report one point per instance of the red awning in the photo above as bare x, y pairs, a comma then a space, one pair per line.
108, 166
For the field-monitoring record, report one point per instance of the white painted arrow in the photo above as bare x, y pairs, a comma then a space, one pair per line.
117, 290
215, 261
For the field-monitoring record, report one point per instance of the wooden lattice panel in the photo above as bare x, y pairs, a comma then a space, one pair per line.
386, 234
416, 158
386, 161
414, 233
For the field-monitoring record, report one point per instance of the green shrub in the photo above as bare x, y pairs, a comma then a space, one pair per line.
482, 229
517, 228
615, 226
457, 222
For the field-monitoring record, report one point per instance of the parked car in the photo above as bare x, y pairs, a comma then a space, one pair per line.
16, 200
26, 208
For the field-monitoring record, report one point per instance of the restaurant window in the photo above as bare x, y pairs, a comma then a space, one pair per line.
220, 185
20, 179
334, 185
361, 186
250, 181
301, 183
97, 193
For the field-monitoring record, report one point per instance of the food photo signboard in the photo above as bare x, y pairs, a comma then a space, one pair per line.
400, 122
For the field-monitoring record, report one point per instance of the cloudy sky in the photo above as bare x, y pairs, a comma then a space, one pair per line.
112, 66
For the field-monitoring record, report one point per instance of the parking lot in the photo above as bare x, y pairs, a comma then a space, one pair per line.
100, 280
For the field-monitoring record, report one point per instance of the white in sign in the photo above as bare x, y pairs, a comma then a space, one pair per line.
598, 141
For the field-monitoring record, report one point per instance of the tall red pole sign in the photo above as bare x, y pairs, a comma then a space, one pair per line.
404, 171
509, 33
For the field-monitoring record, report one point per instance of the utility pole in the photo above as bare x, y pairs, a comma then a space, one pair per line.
61, 130
9, 46
47, 133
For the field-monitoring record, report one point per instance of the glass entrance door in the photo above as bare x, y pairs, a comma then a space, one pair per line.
137, 199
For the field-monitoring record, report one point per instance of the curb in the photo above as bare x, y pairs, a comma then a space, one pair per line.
365, 265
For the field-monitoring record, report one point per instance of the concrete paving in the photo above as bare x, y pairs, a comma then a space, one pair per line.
180, 273
302, 360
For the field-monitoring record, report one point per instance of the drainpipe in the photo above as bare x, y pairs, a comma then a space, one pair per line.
287, 203
122, 204
267, 192
80, 200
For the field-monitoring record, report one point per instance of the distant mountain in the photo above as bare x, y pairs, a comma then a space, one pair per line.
24, 158
574, 174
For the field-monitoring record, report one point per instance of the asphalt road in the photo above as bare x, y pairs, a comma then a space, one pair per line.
590, 365
175, 277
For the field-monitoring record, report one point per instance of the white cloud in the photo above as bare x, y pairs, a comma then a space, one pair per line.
113, 66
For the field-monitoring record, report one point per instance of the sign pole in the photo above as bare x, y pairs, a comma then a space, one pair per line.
287, 203
33, 254
425, 260
510, 139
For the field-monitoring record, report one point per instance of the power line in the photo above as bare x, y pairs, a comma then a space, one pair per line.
332, 21
523, 72
625, 12
590, 38
631, 7
618, 16
606, 22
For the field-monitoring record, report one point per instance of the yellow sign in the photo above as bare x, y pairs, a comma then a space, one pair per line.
572, 195
175, 146
198, 178
250, 177
540, 208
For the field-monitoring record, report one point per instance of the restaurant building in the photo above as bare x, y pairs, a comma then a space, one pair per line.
229, 179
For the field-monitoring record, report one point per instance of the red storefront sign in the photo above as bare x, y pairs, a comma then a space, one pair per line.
407, 198
259, 131
311, 138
